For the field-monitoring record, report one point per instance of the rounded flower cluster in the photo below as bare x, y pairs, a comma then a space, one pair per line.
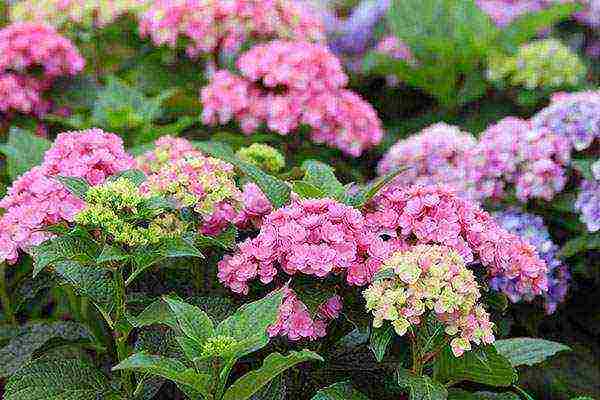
89, 13
36, 199
24, 45
167, 149
531, 228
255, 207
218, 346
314, 237
23, 94
588, 200
431, 279
436, 215
285, 84
543, 63
435, 155
221, 25
202, 183
534, 160
263, 156
296, 322
575, 116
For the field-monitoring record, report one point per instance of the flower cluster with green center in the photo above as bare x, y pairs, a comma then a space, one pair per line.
263, 156
218, 346
430, 278
202, 183
540, 64
120, 211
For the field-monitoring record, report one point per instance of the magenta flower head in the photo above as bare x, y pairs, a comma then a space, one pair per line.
36, 199
437, 215
22, 94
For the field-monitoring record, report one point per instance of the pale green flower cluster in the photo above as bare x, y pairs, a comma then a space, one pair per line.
430, 278
82, 12
218, 346
540, 64
118, 209
263, 156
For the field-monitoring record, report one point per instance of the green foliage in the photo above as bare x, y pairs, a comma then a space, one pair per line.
23, 151
71, 379
527, 351
380, 339
78, 187
421, 387
339, 391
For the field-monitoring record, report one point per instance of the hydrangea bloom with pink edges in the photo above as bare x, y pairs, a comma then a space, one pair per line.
314, 237
436, 215
255, 207
36, 199
512, 152
222, 25
167, 149
286, 84
435, 155
24, 45
431, 279
296, 322
575, 116
22, 94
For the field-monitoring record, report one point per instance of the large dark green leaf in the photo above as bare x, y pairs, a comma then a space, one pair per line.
421, 387
23, 151
31, 338
56, 379
481, 365
193, 322
273, 365
528, 351
339, 391
75, 246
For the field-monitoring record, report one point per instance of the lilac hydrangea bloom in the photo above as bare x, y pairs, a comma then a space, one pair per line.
532, 229
588, 201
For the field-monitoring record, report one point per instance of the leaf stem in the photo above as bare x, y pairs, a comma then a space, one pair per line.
5, 298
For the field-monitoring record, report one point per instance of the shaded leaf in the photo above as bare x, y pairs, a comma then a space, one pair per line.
528, 351
420, 387
23, 151
194, 322
380, 339
339, 391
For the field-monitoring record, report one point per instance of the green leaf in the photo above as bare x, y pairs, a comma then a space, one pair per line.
181, 247
322, 176
384, 273
31, 338
274, 390
168, 368
225, 240
580, 244
158, 312
380, 339
459, 394
78, 187
77, 246
194, 322
249, 323
58, 379
339, 391
481, 365
273, 365
371, 190
111, 253
134, 175
528, 351
307, 190
276, 190
420, 387
23, 151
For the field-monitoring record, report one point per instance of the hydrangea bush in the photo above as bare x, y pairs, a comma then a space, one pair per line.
279, 199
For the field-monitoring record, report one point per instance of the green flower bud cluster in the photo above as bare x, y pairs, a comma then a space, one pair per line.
263, 156
218, 346
541, 64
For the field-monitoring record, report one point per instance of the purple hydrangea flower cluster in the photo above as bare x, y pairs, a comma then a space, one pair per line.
588, 200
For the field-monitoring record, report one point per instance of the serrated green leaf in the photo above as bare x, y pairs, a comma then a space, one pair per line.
248, 325
111, 253
273, 365
193, 322
168, 368
339, 391
77, 246
276, 190
78, 187
420, 387
307, 191
528, 351
322, 177
380, 339
31, 338
71, 379
23, 151
481, 365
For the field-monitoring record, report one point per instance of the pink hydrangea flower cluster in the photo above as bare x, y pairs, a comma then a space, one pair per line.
436, 215
167, 149
435, 155
435, 279
255, 206
296, 322
315, 237
223, 25
512, 152
36, 199
24, 46
285, 84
